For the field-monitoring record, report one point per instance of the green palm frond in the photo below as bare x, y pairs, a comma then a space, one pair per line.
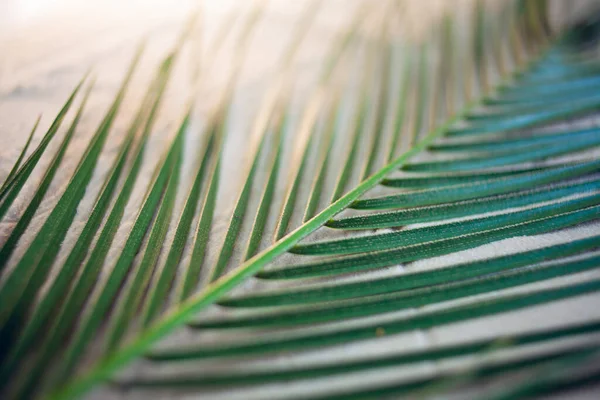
452, 143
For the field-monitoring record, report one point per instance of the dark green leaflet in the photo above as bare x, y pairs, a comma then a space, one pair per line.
522, 103
457, 272
12, 187
516, 143
486, 122
327, 369
341, 335
75, 298
526, 107
17, 163
411, 237
564, 60
404, 300
33, 205
476, 190
463, 208
507, 157
565, 71
574, 108
431, 249
441, 180
517, 93
557, 64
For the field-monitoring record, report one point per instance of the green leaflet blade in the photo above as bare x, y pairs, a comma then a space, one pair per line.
508, 157
476, 190
17, 163
341, 334
33, 205
516, 143
331, 369
426, 386
463, 208
431, 249
11, 188
403, 300
411, 237
453, 273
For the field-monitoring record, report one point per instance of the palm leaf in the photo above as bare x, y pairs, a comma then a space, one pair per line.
445, 151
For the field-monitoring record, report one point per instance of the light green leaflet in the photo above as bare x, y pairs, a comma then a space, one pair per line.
493, 170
